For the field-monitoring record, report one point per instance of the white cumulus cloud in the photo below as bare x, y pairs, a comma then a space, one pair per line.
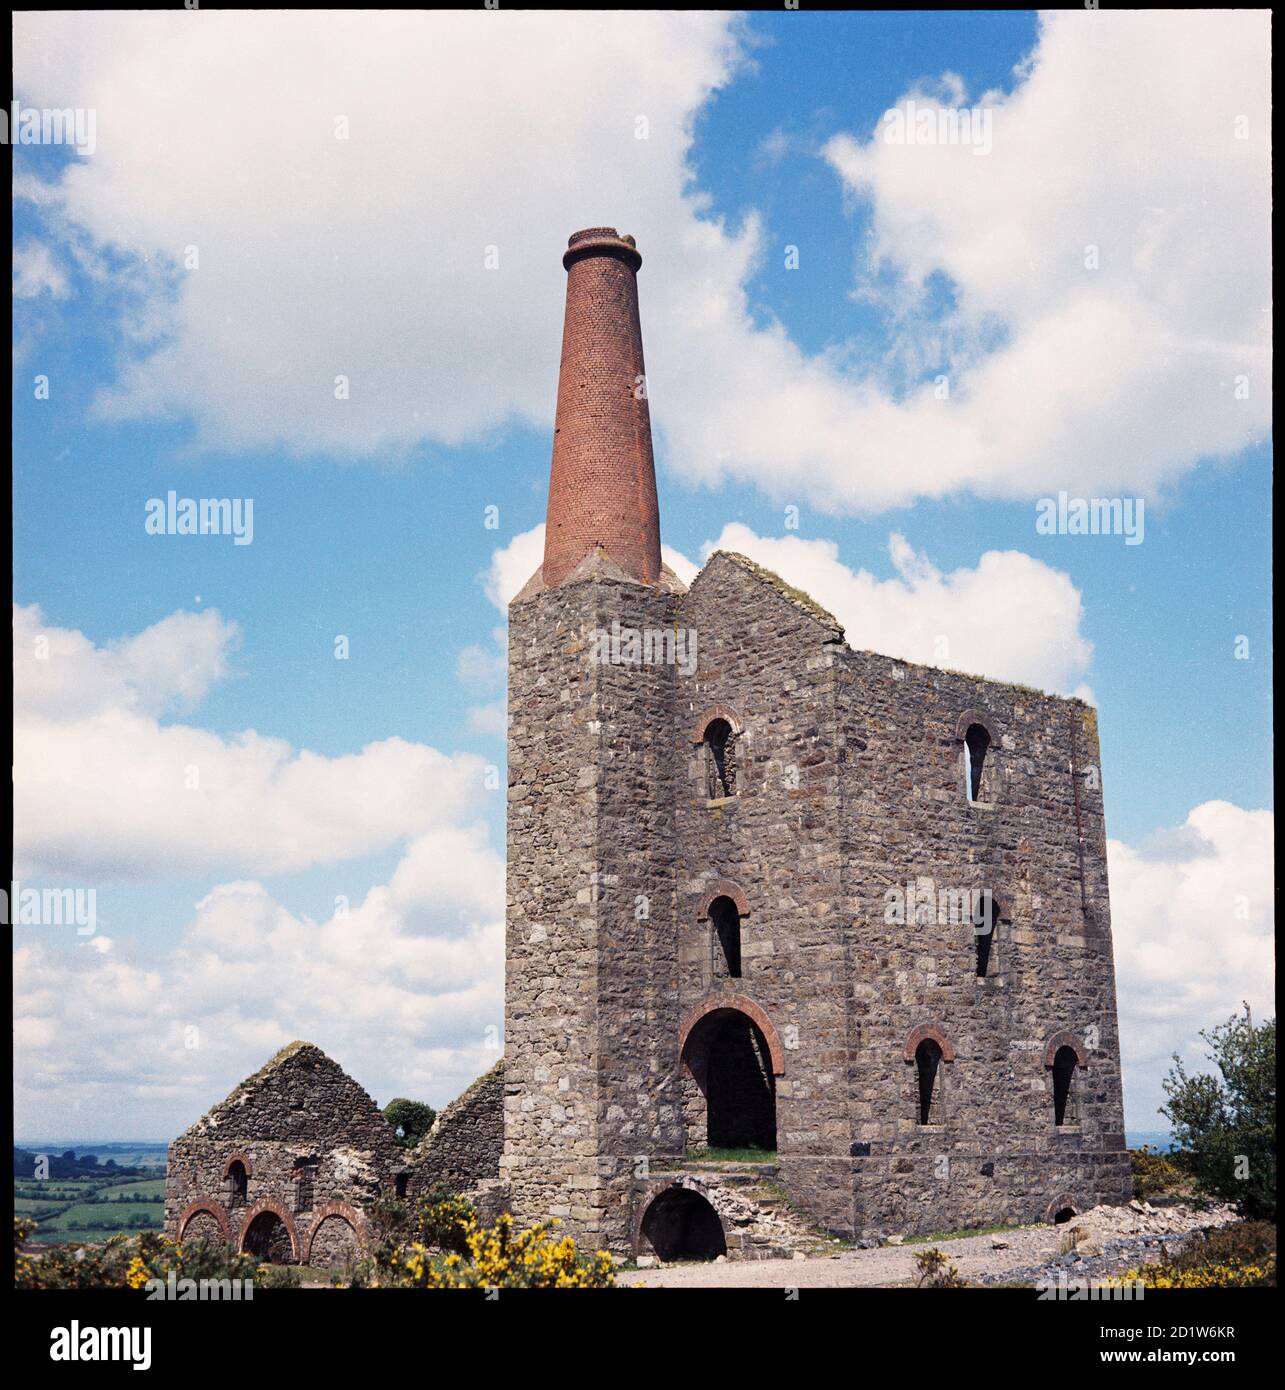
103, 789
405, 990
346, 184
1192, 919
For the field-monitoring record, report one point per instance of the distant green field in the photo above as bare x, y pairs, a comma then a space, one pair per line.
145, 1187
91, 1209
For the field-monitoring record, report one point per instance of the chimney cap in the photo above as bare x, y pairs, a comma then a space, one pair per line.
601, 241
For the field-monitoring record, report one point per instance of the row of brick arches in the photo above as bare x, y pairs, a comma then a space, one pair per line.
267, 1230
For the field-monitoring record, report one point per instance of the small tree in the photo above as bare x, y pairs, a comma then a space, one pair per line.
1227, 1124
410, 1119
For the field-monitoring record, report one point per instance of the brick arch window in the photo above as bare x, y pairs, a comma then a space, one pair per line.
726, 923
977, 735
717, 731
927, 1048
929, 1085
237, 1176
304, 1175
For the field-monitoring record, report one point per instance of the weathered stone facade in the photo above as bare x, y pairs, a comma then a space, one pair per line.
791, 895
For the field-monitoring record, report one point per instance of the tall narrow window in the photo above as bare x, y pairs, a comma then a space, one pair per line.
985, 925
976, 743
727, 937
720, 760
238, 1183
928, 1068
305, 1174
1065, 1110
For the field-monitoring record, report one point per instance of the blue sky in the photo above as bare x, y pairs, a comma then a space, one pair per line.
369, 521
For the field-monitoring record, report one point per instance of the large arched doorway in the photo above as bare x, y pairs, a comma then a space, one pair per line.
731, 1064
267, 1237
680, 1224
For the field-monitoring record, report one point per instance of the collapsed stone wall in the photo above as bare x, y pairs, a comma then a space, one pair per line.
464, 1146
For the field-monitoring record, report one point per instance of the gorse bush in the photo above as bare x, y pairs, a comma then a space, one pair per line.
445, 1222
936, 1271
451, 1250
1240, 1256
1155, 1174
130, 1262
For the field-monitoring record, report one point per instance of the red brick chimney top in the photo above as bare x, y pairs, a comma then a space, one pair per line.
602, 484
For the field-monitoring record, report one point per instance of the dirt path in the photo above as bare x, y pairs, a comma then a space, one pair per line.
1139, 1229
886, 1267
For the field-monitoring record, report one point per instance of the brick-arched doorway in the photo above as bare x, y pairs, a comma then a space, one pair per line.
732, 1055
203, 1219
679, 1222
269, 1234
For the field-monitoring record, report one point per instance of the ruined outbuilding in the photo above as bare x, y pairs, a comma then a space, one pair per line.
284, 1166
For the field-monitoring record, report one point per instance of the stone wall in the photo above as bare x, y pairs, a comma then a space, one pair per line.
465, 1144
591, 1006
1035, 840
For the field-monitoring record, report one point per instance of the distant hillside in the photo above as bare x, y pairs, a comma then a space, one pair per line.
1152, 1138
88, 1160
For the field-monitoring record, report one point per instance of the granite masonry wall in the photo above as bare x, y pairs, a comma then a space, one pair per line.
591, 1005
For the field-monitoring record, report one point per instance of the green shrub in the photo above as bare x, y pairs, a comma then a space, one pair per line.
131, 1262
494, 1257
1227, 1123
444, 1220
1155, 1174
936, 1271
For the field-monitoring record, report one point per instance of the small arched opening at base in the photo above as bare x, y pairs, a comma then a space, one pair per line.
1062, 1215
680, 1224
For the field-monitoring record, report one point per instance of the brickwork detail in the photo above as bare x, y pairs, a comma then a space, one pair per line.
602, 489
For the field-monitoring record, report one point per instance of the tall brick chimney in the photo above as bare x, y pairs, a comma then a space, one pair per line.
602, 486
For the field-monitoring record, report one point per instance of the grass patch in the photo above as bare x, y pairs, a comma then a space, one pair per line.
716, 1155
962, 1234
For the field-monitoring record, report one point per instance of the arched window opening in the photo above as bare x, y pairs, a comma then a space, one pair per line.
681, 1225
727, 938
730, 1063
1065, 1109
928, 1075
720, 760
238, 1183
976, 744
985, 933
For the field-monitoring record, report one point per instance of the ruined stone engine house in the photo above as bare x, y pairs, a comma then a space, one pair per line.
788, 923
